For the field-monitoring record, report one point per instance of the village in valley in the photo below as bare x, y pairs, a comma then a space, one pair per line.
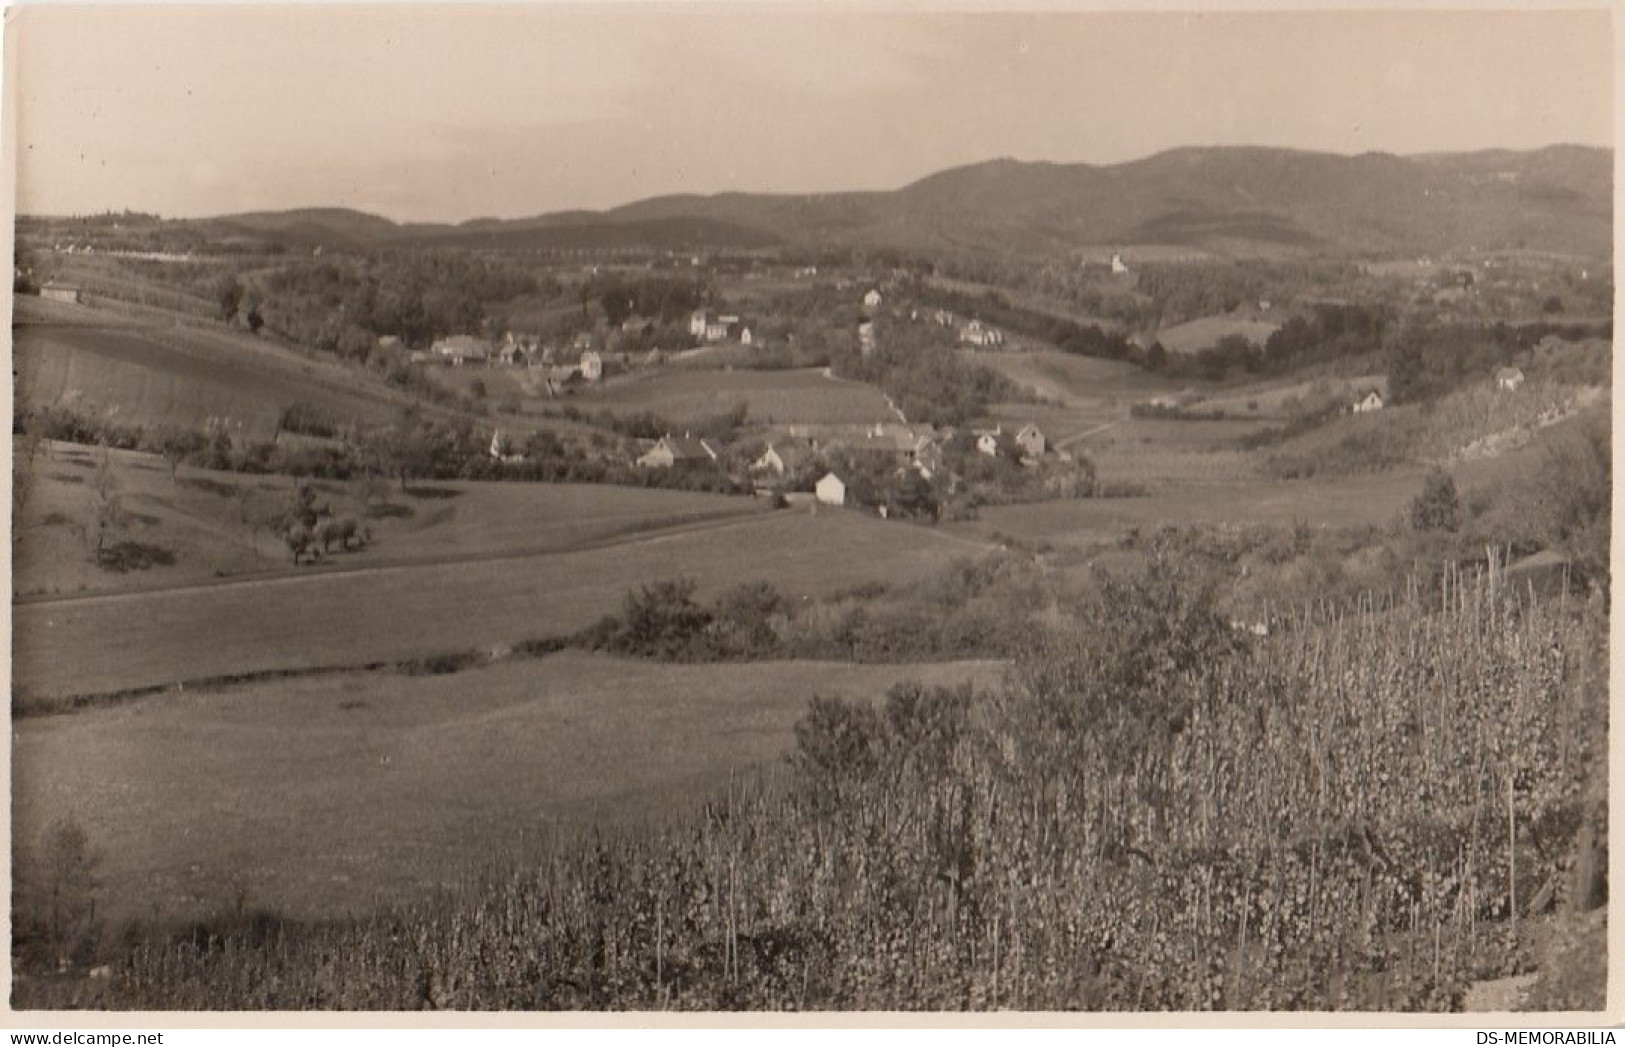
1175, 583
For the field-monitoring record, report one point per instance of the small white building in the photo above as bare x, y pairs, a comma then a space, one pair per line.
592, 366
987, 442
1371, 401
979, 334
745, 337
866, 337
1508, 378
830, 490
459, 349
770, 462
872, 299
1119, 267
59, 292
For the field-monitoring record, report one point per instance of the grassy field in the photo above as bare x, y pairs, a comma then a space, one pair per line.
1355, 502
180, 376
1204, 333
324, 796
1265, 400
771, 397
1074, 381
197, 521
101, 644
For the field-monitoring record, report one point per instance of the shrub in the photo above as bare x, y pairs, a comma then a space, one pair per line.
1437, 507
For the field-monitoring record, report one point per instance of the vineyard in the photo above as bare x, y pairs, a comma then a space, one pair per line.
1357, 813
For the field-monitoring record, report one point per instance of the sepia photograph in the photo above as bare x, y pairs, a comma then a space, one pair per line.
862, 508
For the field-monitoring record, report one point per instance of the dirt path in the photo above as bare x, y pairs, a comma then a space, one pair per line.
1069, 441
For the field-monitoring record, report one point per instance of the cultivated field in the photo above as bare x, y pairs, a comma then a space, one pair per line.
770, 397
322, 797
388, 613
180, 376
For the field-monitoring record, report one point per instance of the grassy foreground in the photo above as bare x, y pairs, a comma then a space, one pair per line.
1363, 812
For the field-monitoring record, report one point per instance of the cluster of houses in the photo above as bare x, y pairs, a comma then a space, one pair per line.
708, 327
973, 332
515, 350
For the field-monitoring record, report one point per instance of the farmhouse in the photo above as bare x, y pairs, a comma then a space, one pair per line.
987, 441
770, 462
745, 337
672, 451
517, 348
979, 334
1031, 441
60, 292
459, 349
592, 366
1508, 378
502, 450
872, 299
697, 322
1371, 401
830, 490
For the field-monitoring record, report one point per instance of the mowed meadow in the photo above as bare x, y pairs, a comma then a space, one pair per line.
322, 797
362, 614
770, 397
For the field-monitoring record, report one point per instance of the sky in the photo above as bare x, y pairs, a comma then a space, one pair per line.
449, 112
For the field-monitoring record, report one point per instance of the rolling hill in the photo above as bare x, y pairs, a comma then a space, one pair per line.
1236, 201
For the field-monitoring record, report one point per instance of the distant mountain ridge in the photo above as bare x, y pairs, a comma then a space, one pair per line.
1231, 200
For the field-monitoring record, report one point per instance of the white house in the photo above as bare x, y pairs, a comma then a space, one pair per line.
866, 336
1031, 441
872, 299
745, 337
770, 462
672, 451
501, 449
697, 322
1508, 378
1119, 267
987, 442
830, 490
1371, 401
979, 334
592, 366
459, 349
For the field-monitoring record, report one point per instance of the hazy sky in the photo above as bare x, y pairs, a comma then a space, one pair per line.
445, 113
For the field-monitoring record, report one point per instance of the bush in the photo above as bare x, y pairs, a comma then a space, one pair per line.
55, 925
1437, 507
